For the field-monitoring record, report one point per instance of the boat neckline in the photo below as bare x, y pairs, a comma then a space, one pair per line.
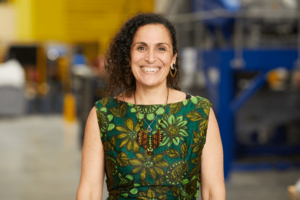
194, 97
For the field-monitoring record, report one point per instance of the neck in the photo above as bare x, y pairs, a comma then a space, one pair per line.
149, 96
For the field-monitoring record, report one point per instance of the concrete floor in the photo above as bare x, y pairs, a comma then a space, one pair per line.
40, 159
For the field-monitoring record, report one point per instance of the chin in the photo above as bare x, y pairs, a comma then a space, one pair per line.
150, 83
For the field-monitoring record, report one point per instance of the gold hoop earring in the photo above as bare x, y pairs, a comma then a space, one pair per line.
173, 71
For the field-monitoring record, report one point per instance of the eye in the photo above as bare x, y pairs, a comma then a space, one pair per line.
161, 49
141, 48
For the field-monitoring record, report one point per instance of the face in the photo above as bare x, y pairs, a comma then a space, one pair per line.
152, 55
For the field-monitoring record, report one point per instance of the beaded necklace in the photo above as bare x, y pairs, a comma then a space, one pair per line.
149, 141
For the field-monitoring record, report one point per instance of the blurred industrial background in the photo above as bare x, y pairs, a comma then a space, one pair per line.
243, 55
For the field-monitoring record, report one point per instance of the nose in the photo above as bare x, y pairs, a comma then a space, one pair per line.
150, 57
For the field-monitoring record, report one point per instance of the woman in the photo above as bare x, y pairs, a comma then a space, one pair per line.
149, 139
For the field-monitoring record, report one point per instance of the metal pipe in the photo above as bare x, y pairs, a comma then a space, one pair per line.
238, 61
257, 13
298, 38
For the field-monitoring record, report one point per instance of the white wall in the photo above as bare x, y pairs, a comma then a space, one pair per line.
7, 22
7, 26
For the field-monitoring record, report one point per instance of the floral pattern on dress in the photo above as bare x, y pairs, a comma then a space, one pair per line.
149, 113
145, 165
104, 121
151, 195
173, 129
128, 135
174, 169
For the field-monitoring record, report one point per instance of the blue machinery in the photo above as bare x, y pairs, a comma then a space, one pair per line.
222, 93
218, 13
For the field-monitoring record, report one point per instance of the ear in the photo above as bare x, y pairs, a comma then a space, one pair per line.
173, 60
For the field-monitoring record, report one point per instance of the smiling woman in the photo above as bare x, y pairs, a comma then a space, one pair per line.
152, 140
151, 55
147, 40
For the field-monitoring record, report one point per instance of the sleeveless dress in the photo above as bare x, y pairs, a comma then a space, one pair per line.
174, 169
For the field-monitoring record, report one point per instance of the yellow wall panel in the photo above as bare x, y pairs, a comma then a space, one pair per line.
24, 19
98, 20
48, 19
76, 20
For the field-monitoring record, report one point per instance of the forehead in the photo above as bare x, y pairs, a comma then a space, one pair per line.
156, 33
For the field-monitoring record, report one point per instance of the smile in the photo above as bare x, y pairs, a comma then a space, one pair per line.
150, 69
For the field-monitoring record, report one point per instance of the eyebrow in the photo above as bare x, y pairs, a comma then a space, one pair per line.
143, 43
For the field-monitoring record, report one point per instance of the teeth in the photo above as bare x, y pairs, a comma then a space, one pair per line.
148, 69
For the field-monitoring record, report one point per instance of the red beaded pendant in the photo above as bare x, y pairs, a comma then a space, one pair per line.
149, 142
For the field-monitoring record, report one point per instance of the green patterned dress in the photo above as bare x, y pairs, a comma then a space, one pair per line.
173, 171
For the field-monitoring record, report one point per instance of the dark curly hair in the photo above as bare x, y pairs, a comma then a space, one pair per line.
117, 66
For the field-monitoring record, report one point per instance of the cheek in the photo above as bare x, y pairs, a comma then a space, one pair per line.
136, 58
167, 60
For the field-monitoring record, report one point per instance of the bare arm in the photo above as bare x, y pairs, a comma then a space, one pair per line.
212, 174
92, 164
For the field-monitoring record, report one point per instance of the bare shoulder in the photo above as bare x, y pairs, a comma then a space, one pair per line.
92, 127
176, 96
92, 115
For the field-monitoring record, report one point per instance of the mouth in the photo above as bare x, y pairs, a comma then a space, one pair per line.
150, 69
